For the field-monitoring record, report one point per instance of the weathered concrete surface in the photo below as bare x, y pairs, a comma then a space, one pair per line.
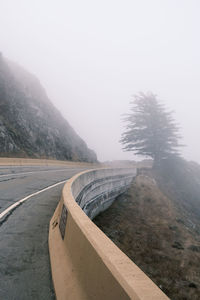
96, 190
87, 265
24, 259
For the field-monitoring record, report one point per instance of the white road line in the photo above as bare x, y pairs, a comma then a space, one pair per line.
33, 172
11, 207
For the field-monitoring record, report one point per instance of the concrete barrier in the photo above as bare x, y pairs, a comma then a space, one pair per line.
85, 263
15, 161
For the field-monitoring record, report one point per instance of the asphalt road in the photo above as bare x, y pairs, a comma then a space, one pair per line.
24, 259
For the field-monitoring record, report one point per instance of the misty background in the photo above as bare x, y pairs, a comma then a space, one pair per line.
91, 56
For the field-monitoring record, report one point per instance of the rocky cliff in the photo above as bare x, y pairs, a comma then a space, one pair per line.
30, 125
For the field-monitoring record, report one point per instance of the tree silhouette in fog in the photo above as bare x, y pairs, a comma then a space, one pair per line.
151, 129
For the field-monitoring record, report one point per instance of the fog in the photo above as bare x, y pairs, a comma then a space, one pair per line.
91, 56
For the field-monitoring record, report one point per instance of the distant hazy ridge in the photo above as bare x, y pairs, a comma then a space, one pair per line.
30, 126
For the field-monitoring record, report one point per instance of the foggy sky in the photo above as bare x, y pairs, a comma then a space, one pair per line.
91, 56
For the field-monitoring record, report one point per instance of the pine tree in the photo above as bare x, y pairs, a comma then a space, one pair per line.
151, 130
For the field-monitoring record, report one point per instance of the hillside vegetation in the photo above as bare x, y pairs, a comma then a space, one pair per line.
157, 224
30, 126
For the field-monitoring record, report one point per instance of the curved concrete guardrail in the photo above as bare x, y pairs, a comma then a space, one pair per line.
85, 263
15, 161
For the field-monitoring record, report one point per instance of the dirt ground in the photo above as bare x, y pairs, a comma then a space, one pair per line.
150, 228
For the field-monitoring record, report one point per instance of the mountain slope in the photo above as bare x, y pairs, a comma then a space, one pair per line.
157, 224
30, 126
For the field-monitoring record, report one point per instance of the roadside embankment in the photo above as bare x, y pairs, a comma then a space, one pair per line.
158, 234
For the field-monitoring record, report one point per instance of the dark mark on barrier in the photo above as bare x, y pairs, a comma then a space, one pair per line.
63, 221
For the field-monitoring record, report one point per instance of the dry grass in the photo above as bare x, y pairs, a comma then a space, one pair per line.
149, 227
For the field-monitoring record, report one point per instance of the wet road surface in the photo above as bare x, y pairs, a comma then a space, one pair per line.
24, 258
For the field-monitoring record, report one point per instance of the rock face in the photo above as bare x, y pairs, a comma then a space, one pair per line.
30, 126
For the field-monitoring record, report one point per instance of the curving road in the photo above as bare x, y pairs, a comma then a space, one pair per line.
28, 198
